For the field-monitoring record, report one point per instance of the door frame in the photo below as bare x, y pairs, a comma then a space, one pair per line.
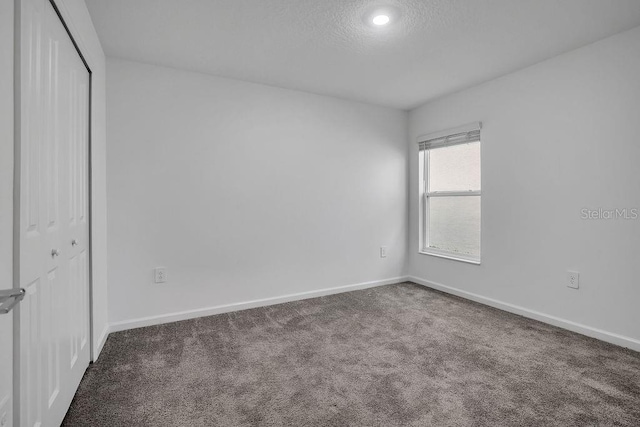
17, 169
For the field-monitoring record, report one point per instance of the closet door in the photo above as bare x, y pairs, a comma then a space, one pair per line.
53, 318
7, 300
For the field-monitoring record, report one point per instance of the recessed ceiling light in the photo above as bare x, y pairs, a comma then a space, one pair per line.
381, 20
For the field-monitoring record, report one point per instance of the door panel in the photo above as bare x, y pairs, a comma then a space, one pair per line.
50, 331
31, 354
74, 318
52, 179
54, 317
6, 207
32, 240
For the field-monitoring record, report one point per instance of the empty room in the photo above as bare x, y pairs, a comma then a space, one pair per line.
319, 213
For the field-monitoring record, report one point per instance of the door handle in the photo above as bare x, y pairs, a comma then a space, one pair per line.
9, 298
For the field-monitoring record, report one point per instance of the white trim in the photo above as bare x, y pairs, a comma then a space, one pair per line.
68, 16
469, 127
609, 337
209, 311
453, 193
100, 344
449, 255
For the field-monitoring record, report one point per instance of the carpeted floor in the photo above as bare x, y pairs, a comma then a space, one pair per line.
398, 355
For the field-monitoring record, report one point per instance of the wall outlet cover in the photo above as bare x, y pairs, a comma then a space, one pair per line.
573, 279
160, 274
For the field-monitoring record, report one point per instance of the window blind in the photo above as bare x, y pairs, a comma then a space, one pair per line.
461, 135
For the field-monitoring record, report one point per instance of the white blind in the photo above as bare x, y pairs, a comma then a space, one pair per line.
460, 135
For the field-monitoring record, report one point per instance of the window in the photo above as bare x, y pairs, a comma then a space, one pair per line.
450, 193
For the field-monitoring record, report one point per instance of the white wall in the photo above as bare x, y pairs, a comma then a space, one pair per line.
245, 192
77, 18
558, 137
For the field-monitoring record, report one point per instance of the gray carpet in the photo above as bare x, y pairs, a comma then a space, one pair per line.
398, 355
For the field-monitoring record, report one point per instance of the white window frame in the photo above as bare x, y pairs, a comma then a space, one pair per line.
425, 195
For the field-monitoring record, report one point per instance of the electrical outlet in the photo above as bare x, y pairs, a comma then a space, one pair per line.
383, 251
573, 279
160, 274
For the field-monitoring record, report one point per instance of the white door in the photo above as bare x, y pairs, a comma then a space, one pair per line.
53, 318
6, 210
6, 380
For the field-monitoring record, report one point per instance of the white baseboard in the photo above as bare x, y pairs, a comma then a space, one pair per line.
101, 340
209, 311
609, 337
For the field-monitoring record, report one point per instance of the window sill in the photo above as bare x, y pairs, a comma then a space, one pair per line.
450, 256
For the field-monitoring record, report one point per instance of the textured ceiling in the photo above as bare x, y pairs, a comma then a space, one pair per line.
431, 48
